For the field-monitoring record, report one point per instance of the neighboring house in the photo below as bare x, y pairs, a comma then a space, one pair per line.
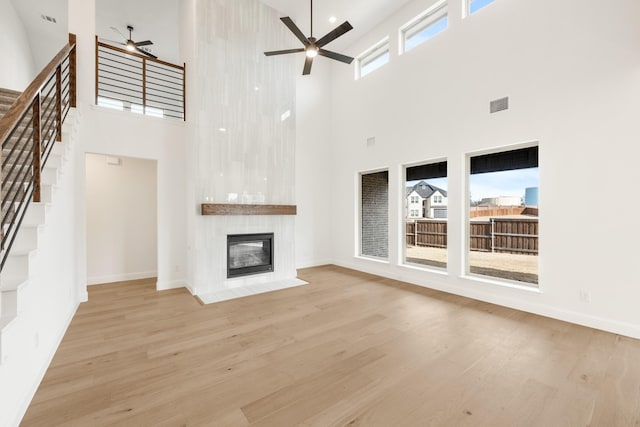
426, 201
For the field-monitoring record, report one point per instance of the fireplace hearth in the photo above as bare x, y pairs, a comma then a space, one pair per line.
249, 254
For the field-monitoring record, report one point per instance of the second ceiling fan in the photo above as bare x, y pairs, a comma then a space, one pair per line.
132, 46
312, 46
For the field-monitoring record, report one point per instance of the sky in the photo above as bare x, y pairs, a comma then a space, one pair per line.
508, 183
494, 184
478, 4
426, 34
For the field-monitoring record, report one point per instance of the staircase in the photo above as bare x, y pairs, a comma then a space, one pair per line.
8, 288
15, 275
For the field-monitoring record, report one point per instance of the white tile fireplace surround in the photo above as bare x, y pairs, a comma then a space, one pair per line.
244, 142
216, 286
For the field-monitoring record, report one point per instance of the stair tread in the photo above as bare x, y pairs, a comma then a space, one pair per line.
6, 321
8, 284
10, 92
17, 253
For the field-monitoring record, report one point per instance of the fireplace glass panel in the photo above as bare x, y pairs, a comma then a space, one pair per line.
249, 254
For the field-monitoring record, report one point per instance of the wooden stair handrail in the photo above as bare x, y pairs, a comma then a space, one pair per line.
25, 100
44, 97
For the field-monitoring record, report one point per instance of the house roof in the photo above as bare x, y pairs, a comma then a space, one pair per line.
425, 190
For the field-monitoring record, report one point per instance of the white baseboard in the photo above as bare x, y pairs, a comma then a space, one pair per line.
609, 325
170, 284
22, 410
190, 288
112, 278
312, 263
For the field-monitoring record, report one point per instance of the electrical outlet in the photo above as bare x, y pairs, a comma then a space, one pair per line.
585, 296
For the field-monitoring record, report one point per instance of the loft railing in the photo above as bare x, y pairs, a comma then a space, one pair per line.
131, 81
28, 132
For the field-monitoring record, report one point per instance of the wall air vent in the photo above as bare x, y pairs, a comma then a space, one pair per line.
48, 19
499, 105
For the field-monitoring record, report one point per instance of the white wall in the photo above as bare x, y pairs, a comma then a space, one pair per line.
572, 72
313, 165
45, 38
121, 218
16, 51
116, 133
123, 134
46, 304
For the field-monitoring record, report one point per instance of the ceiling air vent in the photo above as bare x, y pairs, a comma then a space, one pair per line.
499, 105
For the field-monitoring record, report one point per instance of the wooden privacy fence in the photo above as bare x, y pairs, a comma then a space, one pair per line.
493, 211
504, 235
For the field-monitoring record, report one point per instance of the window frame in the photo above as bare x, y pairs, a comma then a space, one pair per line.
466, 265
422, 21
402, 242
370, 55
359, 212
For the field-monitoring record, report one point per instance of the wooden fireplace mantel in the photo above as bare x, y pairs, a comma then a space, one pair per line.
237, 209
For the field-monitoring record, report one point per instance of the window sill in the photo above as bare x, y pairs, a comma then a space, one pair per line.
503, 283
416, 267
368, 258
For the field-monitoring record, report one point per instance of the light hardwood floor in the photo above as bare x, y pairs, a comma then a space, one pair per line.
348, 349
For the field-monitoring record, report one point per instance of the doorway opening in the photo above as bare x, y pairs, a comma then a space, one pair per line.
121, 209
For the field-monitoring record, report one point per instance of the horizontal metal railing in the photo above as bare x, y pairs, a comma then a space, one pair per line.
28, 132
132, 81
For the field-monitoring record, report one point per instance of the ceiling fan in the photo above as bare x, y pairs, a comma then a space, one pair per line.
132, 46
312, 46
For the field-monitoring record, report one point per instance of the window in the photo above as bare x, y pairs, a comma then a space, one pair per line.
475, 5
503, 215
426, 25
155, 112
437, 199
426, 228
374, 210
373, 58
110, 103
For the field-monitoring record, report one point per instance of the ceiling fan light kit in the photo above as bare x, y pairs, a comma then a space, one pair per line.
312, 46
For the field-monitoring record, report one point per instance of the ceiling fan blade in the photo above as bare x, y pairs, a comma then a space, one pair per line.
144, 43
334, 34
283, 52
308, 62
295, 30
112, 42
146, 53
118, 31
337, 56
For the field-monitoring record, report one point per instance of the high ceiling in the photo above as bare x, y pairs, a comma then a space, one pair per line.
158, 20
45, 37
362, 14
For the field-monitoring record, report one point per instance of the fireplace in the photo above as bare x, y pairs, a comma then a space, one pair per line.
249, 254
